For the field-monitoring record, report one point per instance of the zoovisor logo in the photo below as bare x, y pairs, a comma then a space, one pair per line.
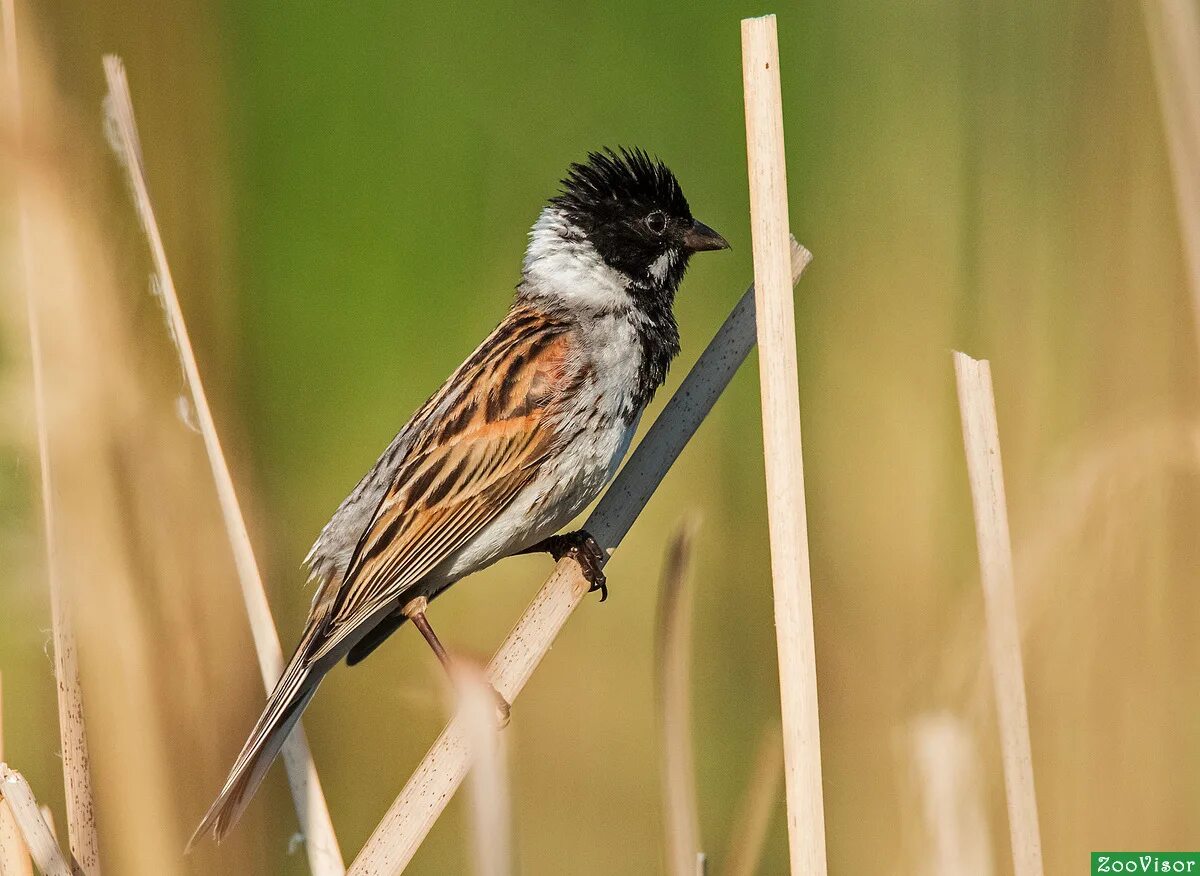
1146, 862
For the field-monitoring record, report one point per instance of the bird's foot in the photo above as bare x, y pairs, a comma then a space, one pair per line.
583, 549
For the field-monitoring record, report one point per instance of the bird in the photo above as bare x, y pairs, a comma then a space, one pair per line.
516, 442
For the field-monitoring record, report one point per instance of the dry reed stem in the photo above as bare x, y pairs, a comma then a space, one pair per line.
81, 815
48, 817
749, 833
781, 447
946, 765
490, 809
324, 854
1173, 27
40, 841
81, 811
14, 859
413, 813
673, 654
981, 439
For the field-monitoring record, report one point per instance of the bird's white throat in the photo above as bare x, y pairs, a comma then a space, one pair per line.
562, 266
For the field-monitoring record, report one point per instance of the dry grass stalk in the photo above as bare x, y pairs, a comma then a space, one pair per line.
749, 833
490, 809
48, 817
81, 811
324, 854
981, 439
14, 859
673, 655
42, 846
414, 812
81, 816
781, 446
1174, 30
946, 764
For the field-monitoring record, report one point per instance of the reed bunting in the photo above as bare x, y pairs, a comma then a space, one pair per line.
520, 438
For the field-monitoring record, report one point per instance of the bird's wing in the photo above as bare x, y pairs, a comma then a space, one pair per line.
480, 441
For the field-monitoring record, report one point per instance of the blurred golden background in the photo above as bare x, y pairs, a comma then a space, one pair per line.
344, 193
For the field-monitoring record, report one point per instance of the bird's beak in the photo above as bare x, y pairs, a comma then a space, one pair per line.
701, 238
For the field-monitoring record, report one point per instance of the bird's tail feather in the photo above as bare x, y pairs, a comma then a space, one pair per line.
287, 701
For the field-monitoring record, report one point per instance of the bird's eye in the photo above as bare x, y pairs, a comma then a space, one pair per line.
656, 222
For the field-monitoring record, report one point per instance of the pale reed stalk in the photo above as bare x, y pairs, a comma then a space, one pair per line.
14, 858
1173, 27
490, 802
15, 791
48, 817
324, 855
981, 439
947, 769
673, 655
749, 834
81, 813
779, 384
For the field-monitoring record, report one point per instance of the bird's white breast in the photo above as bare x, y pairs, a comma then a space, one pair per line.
571, 479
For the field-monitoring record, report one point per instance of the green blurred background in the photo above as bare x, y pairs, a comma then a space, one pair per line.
345, 192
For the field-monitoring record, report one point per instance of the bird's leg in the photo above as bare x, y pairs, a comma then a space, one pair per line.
415, 612
583, 549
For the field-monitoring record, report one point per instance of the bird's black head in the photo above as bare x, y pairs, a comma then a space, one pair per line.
631, 208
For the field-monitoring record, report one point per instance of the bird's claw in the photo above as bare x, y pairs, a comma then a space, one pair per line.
583, 549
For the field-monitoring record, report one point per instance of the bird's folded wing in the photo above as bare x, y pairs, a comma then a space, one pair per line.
453, 485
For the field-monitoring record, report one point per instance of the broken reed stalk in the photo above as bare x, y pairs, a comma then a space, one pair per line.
324, 855
413, 813
490, 809
749, 833
781, 447
81, 814
48, 817
981, 439
44, 849
14, 859
673, 655
1173, 27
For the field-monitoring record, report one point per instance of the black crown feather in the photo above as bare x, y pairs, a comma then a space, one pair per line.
626, 176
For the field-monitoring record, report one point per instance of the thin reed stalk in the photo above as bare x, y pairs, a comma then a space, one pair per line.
324, 854
14, 858
673, 656
48, 817
423, 799
781, 447
749, 833
946, 765
981, 439
1173, 27
15, 791
81, 814
490, 803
